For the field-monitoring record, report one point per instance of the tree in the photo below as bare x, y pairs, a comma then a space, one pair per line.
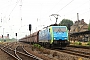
66, 22
89, 30
89, 26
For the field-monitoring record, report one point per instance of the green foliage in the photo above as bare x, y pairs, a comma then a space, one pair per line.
88, 43
89, 27
78, 43
66, 22
37, 46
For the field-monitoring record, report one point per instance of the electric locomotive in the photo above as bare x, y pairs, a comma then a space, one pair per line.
54, 36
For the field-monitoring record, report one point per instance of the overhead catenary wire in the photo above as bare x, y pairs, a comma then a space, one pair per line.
21, 11
65, 6
55, 5
14, 7
1, 17
71, 12
78, 7
81, 14
6, 12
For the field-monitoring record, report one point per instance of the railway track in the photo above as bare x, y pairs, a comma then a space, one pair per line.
10, 52
83, 47
19, 53
76, 51
21, 50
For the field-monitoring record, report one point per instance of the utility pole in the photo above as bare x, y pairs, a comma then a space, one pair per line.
56, 16
21, 11
37, 24
3, 31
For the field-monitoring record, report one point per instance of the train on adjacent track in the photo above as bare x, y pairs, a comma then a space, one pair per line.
51, 36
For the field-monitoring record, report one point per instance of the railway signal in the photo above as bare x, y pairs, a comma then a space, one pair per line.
29, 27
2, 36
16, 37
7, 35
16, 34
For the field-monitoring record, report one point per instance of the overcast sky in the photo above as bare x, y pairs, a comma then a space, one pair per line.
37, 13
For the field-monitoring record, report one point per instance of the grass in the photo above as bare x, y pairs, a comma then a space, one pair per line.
40, 48
77, 43
80, 43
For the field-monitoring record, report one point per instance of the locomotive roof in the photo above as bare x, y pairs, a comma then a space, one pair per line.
58, 26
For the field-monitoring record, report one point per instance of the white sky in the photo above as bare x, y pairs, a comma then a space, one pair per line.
32, 10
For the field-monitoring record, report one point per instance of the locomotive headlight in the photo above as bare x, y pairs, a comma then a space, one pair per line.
65, 38
54, 38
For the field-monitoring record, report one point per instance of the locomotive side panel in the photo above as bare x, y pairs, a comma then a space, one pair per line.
44, 35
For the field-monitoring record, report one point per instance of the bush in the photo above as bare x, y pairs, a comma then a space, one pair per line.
78, 43
88, 43
37, 46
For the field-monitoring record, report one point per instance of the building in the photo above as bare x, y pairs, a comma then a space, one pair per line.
79, 26
79, 31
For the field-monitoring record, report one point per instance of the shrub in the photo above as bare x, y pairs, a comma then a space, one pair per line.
37, 46
76, 43
41, 49
88, 43
80, 43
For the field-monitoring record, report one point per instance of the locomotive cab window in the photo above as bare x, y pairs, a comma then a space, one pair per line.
62, 29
